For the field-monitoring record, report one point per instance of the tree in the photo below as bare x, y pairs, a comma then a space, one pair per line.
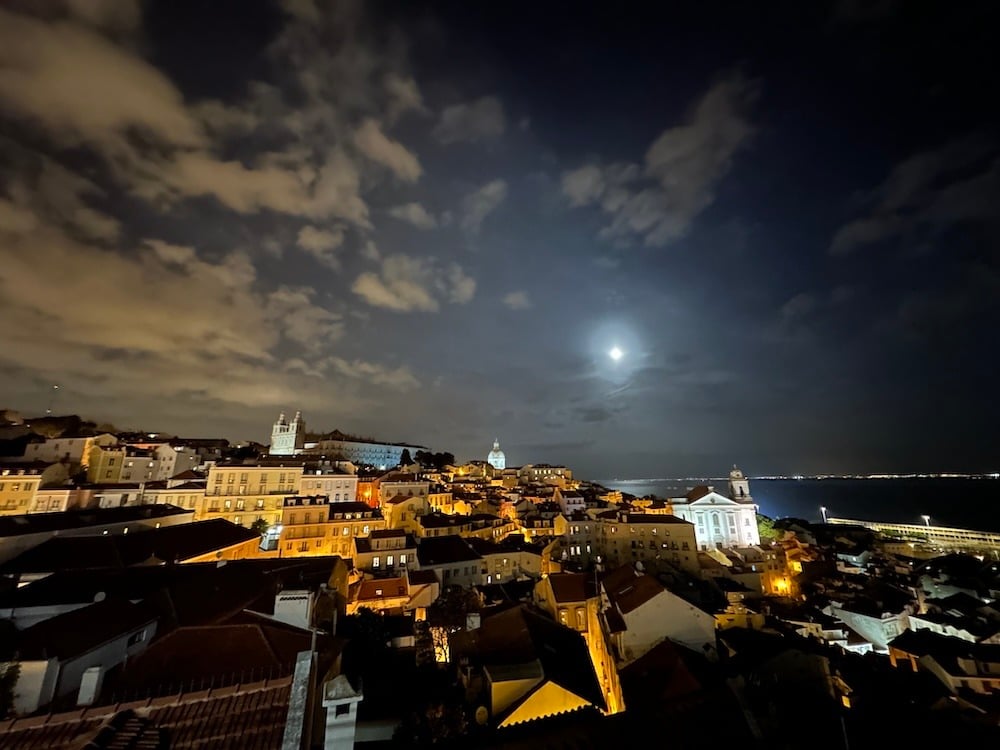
260, 526
404, 459
766, 530
9, 673
450, 609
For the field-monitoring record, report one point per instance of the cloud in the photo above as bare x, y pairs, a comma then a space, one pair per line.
517, 301
481, 203
77, 84
480, 120
179, 318
584, 185
408, 284
404, 95
415, 214
321, 243
41, 190
799, 306
958, 182
381, 149
659, 199
398, 378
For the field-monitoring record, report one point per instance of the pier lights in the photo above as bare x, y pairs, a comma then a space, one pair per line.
822, 509
927, 520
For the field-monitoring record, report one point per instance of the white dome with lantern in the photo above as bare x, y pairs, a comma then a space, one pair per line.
496, 457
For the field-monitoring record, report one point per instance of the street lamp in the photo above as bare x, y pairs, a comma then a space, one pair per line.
927, 520
822, 509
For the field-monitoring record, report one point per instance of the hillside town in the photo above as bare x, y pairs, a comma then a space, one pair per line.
331, 591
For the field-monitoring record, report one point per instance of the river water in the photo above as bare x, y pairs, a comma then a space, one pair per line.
962, 502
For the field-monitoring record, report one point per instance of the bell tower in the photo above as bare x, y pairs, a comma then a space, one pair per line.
739, 486
288, 438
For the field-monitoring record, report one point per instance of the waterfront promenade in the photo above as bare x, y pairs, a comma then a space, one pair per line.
940, 536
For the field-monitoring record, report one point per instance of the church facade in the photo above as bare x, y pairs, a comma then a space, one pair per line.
288, 438
721, 521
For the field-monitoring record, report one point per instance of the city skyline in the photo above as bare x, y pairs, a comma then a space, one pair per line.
639, 244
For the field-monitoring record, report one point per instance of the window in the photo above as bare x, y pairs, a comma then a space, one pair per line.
260, 504
388, 561
563, 617
402, 559
364, 530
376, 562
138, 637
238, 520
581, 619
345, 531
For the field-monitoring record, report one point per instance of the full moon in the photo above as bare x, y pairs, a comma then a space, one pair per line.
616, 354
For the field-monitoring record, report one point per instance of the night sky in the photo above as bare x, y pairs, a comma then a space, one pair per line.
432, 223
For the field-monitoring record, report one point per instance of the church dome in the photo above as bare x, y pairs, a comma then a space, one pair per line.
496, 457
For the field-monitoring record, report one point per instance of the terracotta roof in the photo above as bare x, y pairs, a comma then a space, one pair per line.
519, 636
633, 594
421, 577
382, 587
441, 521
618, 577
387, 533
252, 718
698, 492
572, 587
245, 646
398, 499
657, 677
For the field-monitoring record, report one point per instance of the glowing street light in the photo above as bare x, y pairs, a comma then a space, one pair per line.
927, 520
822, 509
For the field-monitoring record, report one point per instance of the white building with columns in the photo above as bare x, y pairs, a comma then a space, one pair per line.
721, 521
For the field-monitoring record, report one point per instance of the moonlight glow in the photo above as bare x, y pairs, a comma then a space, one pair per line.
616, 353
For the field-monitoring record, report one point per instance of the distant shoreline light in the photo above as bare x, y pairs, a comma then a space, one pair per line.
810, 477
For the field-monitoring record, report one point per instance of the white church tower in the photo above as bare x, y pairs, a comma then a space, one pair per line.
739, 486
496, 457
288, 438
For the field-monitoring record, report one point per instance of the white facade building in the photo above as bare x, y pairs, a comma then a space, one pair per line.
288, 438
721, 521
76, 450
338, 487
496, 457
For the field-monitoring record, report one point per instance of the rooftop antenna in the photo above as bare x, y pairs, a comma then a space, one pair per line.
52, 399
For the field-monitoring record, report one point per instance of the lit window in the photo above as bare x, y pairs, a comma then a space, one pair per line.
388, 561
375, 561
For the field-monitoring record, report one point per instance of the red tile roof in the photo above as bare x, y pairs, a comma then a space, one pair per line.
380, 588
251, 719
572, 587
633, 594
698, 492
